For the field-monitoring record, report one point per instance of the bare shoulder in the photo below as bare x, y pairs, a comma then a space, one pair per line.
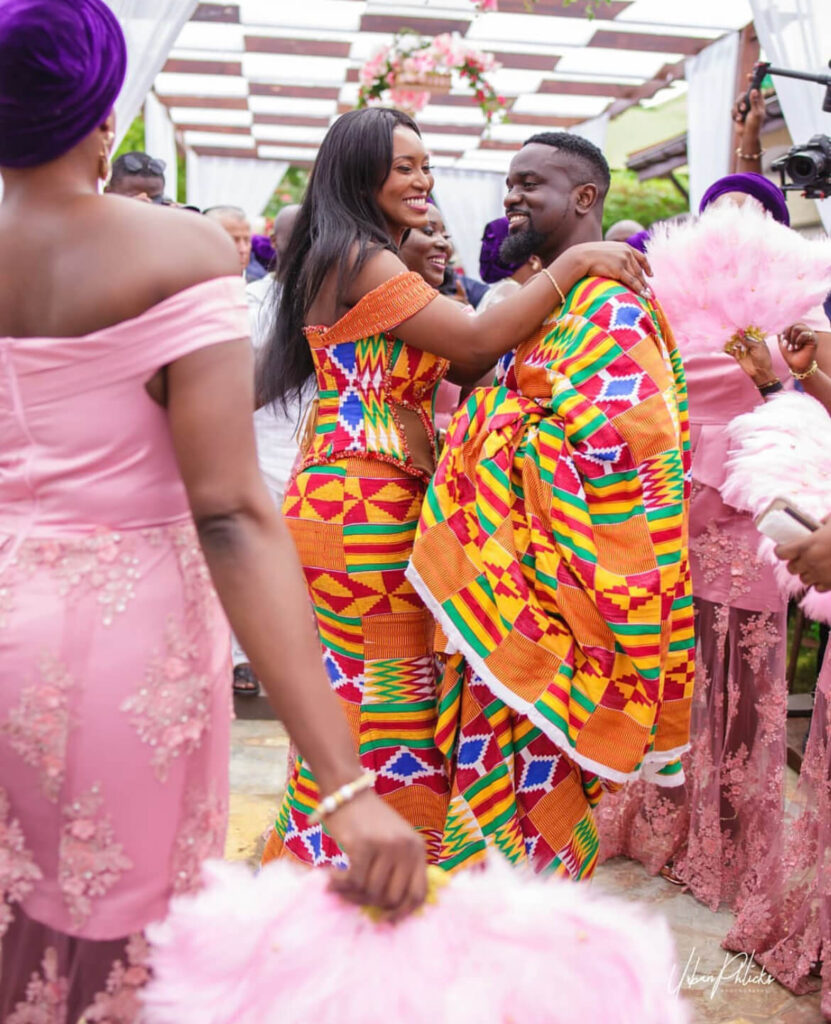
380, 267
179, 248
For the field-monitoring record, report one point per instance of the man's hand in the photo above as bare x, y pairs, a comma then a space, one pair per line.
810, 559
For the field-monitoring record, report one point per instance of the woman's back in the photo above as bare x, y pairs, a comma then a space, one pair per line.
82, 443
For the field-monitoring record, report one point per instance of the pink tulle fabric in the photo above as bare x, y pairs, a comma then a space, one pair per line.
498, 946
733, 268
787, 921
114, 653
783, 449
715, 829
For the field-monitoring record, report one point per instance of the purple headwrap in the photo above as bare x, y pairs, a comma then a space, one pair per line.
263, 250
639, 240
768, 194
62, 65
491, 269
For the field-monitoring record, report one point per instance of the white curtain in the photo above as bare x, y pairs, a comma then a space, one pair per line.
468, 200
796, 34
712, 86
233, 181
595, 130
160, 139
150, 28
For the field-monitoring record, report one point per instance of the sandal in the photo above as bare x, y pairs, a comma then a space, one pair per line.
246, 683
669, 875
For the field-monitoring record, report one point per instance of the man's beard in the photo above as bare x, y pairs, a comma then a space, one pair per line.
521, 246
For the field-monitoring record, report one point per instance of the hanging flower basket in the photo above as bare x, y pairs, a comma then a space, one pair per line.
412, 69
437, 82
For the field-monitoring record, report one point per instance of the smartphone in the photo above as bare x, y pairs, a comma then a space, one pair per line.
784, 522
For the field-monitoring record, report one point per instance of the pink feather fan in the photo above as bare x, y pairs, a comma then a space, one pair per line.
498, 946
783, 449
733, 270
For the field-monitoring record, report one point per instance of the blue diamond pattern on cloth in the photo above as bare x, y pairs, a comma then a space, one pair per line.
351, 410
537, 773
470, 751
620, 387
314, 840
344, 356
626, 316
405, 765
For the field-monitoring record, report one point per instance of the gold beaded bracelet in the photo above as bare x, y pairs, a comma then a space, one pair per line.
750, 156
336, 800
553, 280
812, 369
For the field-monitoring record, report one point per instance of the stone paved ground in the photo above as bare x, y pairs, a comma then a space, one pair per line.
258, 770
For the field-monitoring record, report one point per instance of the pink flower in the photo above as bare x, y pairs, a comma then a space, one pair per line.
175, 667
83, 829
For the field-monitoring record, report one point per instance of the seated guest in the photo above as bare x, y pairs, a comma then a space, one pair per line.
233, 220
138, 176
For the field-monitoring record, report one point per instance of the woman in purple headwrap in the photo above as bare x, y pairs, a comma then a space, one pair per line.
125, 448
717, 835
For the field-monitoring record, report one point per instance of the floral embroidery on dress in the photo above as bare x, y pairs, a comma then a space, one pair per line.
172, 710
120, 1002
90, 861
199, 590
201, 836
18, 871
759, 636
104, 563
38, 728
46, 996
717, 554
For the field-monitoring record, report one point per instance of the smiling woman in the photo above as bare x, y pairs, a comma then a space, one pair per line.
379, 339
426, 249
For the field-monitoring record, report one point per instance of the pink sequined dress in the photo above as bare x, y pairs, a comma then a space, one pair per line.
787, 921
114, 661
719, 828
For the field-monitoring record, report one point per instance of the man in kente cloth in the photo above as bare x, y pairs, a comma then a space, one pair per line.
552, 551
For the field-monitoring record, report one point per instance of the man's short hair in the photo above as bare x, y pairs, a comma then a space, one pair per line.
584, 153
225, 211
130, 165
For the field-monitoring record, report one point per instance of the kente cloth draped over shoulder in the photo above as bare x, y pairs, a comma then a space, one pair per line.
352, 511
552, 549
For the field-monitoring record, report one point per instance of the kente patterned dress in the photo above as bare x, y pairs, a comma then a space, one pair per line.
552, 550
114, 662
353, 510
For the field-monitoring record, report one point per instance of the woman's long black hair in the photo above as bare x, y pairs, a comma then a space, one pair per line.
339, 210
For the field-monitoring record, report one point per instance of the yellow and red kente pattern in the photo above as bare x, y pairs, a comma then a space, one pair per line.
552, 549
353, 510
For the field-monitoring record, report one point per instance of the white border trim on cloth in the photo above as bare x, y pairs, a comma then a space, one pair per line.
507, 696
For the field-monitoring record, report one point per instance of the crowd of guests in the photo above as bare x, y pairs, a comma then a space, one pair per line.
543, 632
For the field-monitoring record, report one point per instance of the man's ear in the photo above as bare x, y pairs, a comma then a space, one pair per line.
585, 198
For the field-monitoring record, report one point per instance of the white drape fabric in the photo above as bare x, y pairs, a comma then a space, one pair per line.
796, 34
150, 28
468, 200
160, 139
711, 77
232, 181
594, 130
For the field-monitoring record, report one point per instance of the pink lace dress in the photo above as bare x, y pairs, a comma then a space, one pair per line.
719, 828
114, 662
787, 921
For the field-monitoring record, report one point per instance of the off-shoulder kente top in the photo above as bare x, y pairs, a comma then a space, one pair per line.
375, 392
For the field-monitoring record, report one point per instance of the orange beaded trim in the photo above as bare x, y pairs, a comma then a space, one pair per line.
382, 309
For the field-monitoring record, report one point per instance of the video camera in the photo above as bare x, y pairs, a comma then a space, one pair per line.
807, 166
